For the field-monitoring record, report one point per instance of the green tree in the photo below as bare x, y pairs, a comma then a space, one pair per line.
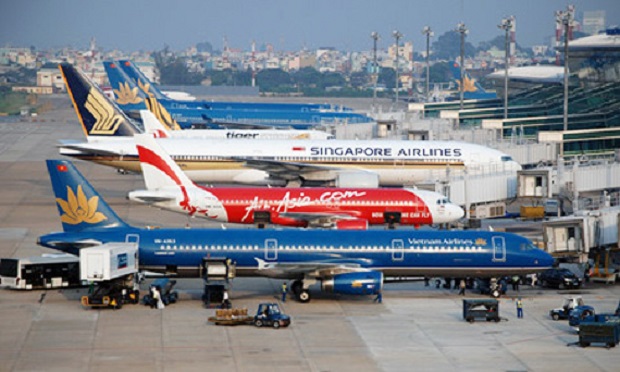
387, 77
448, 47
274, 80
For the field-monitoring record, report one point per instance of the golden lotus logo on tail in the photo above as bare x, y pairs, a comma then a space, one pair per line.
77, 209
126, 95
106, 121
146, 88
469, 84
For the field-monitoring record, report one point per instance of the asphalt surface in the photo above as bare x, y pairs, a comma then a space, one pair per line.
415, 328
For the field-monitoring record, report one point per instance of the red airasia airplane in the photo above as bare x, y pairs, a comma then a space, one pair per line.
344, 208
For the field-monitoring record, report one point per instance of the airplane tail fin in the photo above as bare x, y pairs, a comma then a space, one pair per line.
128, 96
79, 205
471, 85
143, 82
99, 116
153, 126
131, 97
158, 168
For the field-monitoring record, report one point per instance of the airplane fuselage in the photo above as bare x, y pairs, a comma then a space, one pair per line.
393, 252
397, 163
297, 206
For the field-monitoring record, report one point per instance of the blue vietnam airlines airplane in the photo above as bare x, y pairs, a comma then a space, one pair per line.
131, 97
348, 262
472, 89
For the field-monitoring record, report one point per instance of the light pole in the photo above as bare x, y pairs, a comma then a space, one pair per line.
461, 29
375, 73
506, 25
397, 35
566, 19
429, 33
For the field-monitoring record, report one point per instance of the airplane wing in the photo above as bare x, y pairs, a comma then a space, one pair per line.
318, 270
80, 148
286, 170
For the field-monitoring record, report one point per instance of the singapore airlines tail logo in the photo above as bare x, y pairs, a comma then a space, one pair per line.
106, 121
77, 209
126, 95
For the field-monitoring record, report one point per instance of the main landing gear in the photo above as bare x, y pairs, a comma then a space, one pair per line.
301, 291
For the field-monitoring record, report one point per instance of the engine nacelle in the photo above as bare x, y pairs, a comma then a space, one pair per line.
360, 283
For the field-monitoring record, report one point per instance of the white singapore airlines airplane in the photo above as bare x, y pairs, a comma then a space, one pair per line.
345, 163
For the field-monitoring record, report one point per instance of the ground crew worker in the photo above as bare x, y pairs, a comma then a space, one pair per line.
284, 292
519, 308
462, 286
379, 297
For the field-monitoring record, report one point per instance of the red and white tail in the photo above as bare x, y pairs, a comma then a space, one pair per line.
158, 168
152, 125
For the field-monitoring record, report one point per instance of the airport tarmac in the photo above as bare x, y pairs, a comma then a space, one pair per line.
415, 328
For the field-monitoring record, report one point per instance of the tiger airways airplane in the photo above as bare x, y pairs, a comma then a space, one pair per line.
167, 187
353, 262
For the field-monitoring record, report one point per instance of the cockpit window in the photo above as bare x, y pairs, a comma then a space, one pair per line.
528, 246
442, 201
506, 158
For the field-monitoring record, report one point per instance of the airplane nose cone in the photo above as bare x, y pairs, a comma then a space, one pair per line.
457, 211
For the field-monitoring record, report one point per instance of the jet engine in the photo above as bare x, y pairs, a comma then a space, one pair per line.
358, 283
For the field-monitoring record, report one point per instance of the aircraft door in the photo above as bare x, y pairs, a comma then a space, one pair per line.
271, 249
132, 238
398, 250
499, 248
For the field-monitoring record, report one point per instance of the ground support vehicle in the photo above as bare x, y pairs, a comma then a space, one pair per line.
112, 294
607, 333
569, 305
576, 320
487, 309
268, 314
164, 286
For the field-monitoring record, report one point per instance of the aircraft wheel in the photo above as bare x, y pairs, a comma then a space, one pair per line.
304, 296
296, 287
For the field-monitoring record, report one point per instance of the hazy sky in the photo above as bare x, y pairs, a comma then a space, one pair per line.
287, 24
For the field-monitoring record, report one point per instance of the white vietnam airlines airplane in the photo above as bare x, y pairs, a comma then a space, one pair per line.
344, 208
357, 163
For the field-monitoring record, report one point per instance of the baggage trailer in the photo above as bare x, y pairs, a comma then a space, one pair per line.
607, 333
268, 314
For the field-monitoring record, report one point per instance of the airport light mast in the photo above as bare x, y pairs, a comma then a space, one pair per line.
429, 33
461, 29
506, 25
375, 71
397, 35
566, 19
